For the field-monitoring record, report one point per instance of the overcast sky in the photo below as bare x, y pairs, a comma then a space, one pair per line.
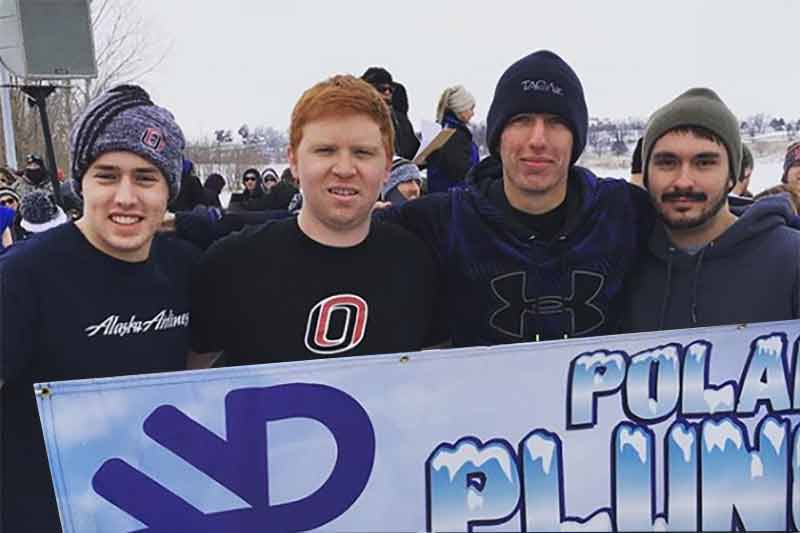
248, 61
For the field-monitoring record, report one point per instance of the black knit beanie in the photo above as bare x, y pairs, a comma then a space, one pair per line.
215, 182
377, 76
539, 83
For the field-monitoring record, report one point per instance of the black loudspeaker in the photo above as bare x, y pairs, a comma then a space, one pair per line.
47, 39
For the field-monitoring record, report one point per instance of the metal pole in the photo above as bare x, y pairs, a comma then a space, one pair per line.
39, 94
8, 122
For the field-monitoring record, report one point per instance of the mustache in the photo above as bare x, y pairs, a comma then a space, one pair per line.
677, 195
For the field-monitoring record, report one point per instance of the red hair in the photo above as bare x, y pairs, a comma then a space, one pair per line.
342, 95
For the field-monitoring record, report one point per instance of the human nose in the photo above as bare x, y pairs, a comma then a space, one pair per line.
537, 135
125, 194
344, 166
684, 179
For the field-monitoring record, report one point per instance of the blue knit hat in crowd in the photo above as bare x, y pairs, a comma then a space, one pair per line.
125, 119
539, 83
402, 170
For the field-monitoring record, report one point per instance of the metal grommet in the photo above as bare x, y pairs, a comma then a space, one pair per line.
404, 359
43, 391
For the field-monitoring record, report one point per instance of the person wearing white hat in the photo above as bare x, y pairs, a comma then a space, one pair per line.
40, 213
448, 165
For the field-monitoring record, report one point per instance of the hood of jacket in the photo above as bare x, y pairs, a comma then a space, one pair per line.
756, 219
687, 276
581, 199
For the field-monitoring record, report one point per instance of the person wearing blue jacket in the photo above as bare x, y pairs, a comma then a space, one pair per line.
449, 165
707, 264
535, 247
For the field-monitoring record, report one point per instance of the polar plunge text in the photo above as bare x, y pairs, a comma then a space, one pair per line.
717, 476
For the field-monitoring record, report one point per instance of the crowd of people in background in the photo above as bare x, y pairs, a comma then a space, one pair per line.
362, 247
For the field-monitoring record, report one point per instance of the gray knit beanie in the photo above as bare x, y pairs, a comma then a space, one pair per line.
696, 107
125, 119
457, 99
402, 170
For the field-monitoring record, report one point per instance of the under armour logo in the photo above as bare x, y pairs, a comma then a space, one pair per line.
584, 316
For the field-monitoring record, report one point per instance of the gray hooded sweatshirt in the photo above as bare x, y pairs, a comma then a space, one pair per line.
750, 273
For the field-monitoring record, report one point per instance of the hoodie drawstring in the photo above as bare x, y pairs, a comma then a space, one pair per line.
667, 291
696, 282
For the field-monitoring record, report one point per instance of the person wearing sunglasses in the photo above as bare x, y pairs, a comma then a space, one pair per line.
248, 199
34, 177
406, 143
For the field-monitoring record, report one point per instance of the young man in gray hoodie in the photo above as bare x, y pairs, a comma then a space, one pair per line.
705, 265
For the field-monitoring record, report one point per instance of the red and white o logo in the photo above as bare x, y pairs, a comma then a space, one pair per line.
336, 324
154, 139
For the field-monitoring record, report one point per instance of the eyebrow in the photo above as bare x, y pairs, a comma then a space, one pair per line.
115, 168
664, 154
701, 155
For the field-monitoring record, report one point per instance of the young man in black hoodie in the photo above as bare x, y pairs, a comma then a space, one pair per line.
535, 247
701, 250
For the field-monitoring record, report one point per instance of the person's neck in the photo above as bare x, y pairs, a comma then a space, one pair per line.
702, 235
140, 255
337, 238
536, 203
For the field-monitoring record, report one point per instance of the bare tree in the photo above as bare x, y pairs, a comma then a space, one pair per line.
125, 51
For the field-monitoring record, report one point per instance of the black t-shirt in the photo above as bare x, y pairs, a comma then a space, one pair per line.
69, 311
545, 226
270, 293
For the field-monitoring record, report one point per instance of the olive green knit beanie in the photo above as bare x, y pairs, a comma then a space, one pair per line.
696, 107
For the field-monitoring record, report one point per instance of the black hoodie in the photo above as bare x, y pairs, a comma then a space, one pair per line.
748, 274
504, 283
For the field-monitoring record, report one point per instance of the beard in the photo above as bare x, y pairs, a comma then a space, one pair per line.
694, 222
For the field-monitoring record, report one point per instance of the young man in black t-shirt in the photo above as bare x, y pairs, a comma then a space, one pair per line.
96, 298
331, 282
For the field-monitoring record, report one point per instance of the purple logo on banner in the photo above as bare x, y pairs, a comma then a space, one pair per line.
240, 463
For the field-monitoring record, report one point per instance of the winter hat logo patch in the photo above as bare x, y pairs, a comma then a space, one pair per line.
543, 86
153, 139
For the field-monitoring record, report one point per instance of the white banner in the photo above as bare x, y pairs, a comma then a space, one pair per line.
685, 430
